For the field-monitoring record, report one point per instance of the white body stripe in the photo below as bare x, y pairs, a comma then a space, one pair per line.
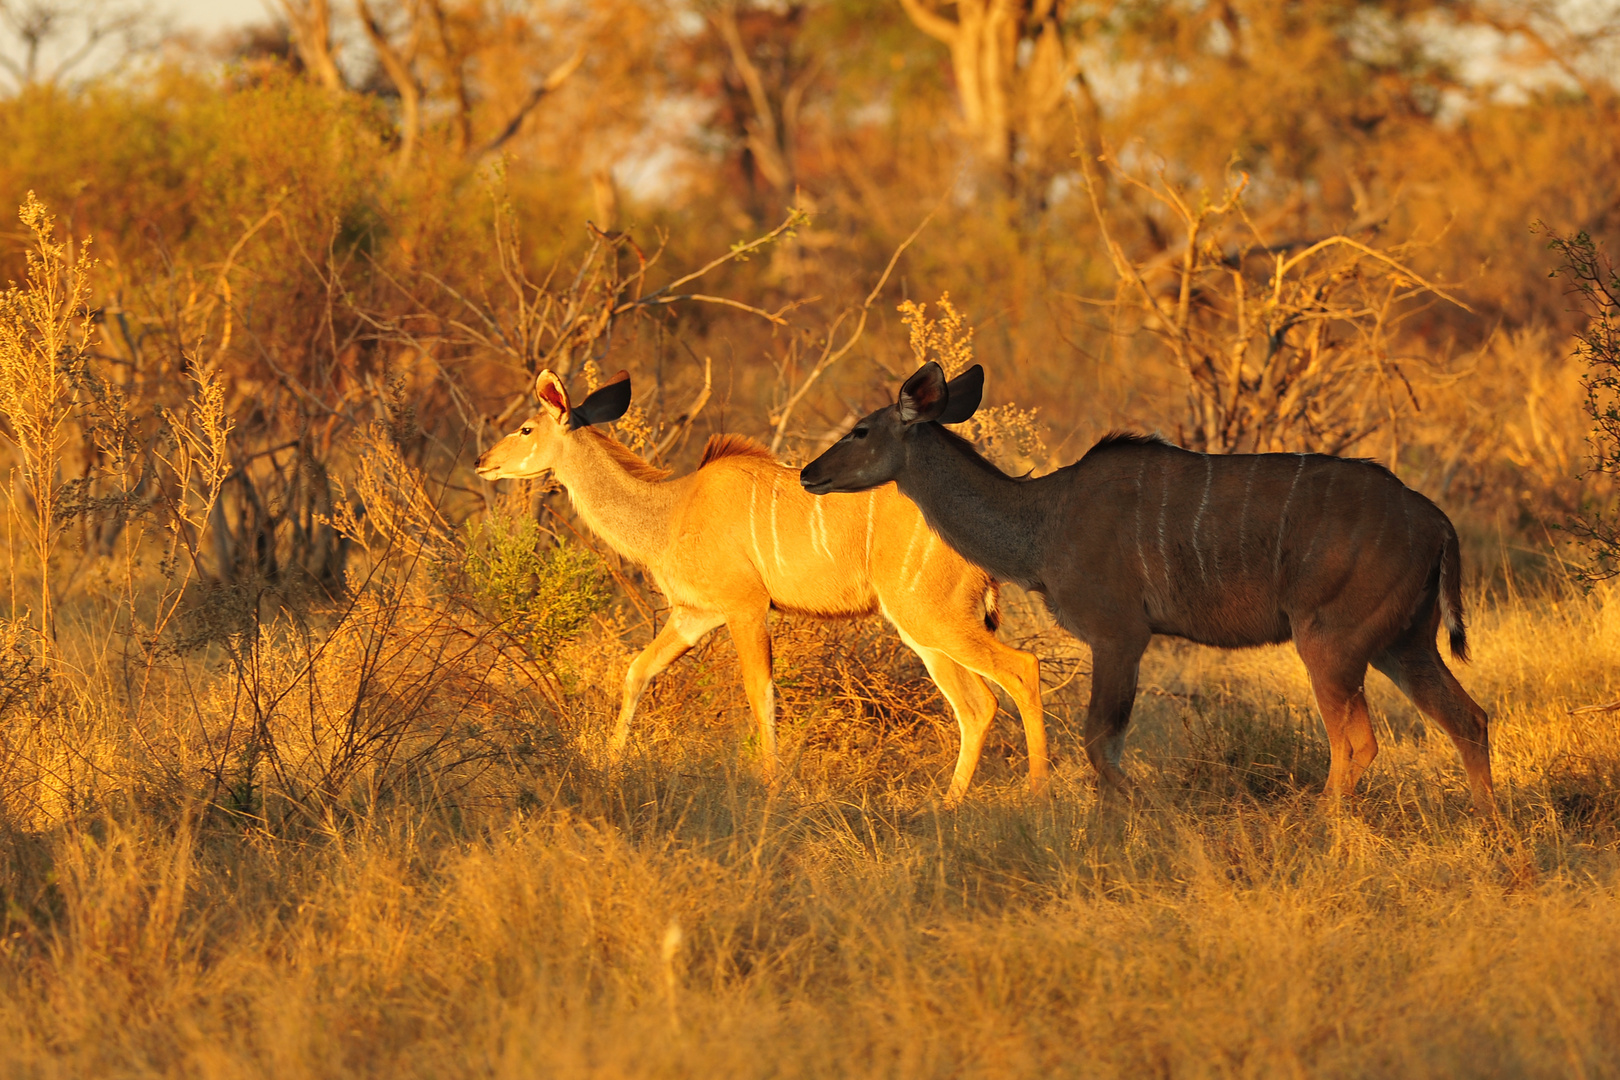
928, 549
1282, 522
1209, 478
753, 523
1141, 557
911, 545
1322, 516
1243, 515
1164, 505
776, 537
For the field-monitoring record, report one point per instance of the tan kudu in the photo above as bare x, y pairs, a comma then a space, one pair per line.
739, 536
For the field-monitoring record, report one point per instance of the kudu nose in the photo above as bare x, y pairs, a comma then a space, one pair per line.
809, 480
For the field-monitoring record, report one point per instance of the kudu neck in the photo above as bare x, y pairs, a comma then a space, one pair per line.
994, 520
619, 496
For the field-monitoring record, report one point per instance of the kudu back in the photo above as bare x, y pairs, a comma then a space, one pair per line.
739, 536
1140, 537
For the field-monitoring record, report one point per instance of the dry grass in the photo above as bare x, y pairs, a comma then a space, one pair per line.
677, 918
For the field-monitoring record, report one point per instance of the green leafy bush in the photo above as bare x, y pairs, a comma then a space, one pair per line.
543, 596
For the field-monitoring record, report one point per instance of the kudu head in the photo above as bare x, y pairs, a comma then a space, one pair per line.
874, 450
533, 448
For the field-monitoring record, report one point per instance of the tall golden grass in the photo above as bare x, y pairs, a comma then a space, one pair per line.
676, 917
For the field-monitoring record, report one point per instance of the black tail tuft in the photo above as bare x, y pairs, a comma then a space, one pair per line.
1451, 606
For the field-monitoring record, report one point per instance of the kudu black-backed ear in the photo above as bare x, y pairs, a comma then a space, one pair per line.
605, 404
962, 396
924, 396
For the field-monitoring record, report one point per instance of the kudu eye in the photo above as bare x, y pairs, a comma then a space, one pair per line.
526, 430
860, 433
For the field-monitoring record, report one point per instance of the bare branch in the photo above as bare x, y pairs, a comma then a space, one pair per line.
311, 25
1371, 253
931, 22
397, 63
829, 357
763, 137
551, 82
679, 425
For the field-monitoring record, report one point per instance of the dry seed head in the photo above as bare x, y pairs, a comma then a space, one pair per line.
946, 339
634, 429
1009, 436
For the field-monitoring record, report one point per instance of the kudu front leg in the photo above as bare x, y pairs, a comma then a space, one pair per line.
1114, 672
684, 629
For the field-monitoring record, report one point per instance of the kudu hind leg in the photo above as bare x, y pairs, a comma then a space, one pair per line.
975, 648
1424, 678
751, 632
1341, 697
975, 708
684, 629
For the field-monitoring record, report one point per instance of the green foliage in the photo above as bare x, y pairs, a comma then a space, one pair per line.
543, 597
1595, 286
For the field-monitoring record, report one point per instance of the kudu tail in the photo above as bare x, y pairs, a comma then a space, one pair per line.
1451, 605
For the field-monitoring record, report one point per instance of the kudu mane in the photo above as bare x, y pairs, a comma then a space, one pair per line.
729, 445
626, 458
718, 447
1120, 440
1115, 440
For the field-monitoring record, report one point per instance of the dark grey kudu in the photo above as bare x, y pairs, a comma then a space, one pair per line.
1140, 537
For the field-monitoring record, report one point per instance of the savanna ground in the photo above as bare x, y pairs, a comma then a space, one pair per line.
303, 726
677, 917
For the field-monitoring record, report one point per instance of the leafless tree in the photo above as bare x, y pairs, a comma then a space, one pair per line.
53, 38
1014, 61
430, 51
311, 25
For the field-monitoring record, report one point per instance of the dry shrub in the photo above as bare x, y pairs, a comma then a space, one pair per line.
44, 338
1281, 344
1595, 285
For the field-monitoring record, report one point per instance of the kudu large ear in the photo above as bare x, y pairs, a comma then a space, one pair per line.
924, 395
552, 394
962, 396
605, 404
